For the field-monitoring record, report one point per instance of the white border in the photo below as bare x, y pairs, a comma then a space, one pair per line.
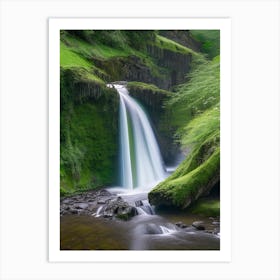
55, 255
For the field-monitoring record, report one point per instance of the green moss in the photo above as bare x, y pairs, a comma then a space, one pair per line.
200, 93
204, 126
68, 58
185, 189
88, 134
149, 87
165, 43
195, 112
210, 41
96, 49
206, 207
88, 155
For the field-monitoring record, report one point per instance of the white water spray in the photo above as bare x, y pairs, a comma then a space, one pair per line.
141, 163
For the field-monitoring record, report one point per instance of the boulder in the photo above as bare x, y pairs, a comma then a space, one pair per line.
120, 209
199, 225
82, 206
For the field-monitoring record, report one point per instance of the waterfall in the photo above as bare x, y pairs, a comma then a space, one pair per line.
141, 163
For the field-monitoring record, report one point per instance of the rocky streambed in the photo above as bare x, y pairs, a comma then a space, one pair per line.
109, 219
97, 203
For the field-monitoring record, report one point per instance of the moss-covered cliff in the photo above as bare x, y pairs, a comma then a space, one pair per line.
89, 132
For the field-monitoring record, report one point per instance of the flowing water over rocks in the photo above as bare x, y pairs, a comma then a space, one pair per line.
112, 219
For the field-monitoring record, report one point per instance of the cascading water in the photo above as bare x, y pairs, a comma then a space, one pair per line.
141, 163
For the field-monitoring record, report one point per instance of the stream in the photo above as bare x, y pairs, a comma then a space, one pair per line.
150, 229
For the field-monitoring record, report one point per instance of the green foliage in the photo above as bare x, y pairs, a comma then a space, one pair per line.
89, 150
85, 35
88, 133
149, 87
183, 188
203, 127
206, 207
171, 45
138, 39
107, 44
201, 92
196, 114
210, 41
113, 38
69, 58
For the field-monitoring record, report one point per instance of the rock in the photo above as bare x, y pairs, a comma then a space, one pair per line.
104, 193
67, 200
216, 231
215, 223
138, 203
82, 206
101, 201
74, 211
126, 213
198, 225
152, 229
89, 203
181, 225
120, 209
108, 214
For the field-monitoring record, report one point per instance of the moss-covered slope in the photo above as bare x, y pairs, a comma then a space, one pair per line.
196, 114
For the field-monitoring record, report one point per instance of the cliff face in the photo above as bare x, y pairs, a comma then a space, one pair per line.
89, 133
168, 70
183, 38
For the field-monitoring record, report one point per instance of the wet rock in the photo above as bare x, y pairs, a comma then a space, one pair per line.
138, 203
181, 225
199, 225
104, 193
108, 214
74, 211
82, 206
126, 213
101, 201
152, 229
120, 209
89, 203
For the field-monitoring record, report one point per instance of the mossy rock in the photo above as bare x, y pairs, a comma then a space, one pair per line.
183, 188
208, 207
